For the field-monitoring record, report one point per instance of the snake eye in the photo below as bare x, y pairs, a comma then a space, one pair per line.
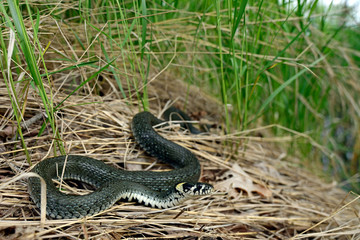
187, 187
194, 188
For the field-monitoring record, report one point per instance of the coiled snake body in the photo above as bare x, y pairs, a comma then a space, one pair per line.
156, 189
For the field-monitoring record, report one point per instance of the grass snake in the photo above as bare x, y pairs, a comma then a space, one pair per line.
155, 189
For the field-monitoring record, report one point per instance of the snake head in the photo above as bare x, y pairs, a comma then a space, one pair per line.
194, 189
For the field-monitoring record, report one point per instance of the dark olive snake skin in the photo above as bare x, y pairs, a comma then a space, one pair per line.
156, 189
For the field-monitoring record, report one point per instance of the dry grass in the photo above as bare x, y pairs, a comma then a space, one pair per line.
300, 206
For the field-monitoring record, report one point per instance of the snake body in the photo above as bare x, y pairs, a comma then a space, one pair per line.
156, 189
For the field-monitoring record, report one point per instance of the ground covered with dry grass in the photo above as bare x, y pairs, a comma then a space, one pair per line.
260, 193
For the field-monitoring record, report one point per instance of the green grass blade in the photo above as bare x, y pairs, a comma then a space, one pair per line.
143, 28
238, 15
84, 82
282, 87
222, 80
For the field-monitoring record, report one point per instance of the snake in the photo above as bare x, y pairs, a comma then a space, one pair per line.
156, 189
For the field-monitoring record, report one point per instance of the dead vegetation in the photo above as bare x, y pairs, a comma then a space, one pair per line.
261, 192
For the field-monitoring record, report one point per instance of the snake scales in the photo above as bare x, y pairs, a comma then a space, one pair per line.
156, 189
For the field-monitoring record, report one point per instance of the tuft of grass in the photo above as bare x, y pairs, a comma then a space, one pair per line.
35, 80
